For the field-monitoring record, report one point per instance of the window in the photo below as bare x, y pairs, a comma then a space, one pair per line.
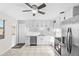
2, 24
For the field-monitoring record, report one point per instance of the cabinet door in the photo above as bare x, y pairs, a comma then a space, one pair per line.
42, 40
39, 40
27, 40
45, 41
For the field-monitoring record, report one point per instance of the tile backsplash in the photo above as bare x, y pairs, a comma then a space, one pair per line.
42, 26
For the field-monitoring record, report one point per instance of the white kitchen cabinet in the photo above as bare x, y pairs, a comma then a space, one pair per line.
43, 40
39, 40
27, 40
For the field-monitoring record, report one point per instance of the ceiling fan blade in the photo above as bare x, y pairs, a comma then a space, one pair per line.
27, 10
42, 6
41, 12
28, 5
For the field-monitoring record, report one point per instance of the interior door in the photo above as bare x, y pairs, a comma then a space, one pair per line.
33, 40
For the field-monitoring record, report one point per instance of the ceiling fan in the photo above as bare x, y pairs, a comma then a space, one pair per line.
35, 9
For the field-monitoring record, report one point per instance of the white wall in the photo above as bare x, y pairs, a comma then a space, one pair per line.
38, 26
6, 43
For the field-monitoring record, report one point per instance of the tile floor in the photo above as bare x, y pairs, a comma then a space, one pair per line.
31, 51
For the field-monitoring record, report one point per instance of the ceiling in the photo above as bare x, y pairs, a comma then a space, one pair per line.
14, 10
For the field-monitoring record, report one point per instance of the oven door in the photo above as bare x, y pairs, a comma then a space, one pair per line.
57, 46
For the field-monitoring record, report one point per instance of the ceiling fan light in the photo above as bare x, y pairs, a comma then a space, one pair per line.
34, 11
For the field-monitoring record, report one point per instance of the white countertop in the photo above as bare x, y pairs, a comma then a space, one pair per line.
32, 33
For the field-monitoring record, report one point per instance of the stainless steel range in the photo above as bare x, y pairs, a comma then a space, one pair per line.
57, 45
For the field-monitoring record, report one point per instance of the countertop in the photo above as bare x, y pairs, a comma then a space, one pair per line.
32, 33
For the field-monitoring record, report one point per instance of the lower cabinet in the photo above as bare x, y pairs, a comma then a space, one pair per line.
37, 40
43, 40
27, 41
